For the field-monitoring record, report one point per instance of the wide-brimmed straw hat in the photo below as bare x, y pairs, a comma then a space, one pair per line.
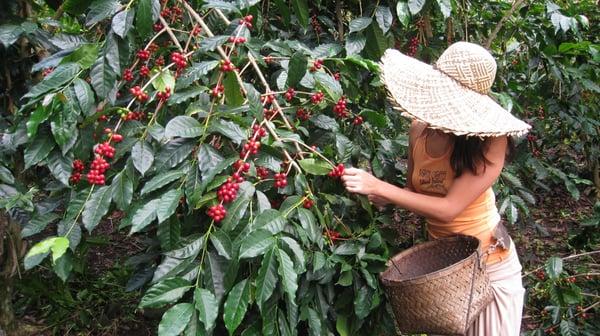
451, 95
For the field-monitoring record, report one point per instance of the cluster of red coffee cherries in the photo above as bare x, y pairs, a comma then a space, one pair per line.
247, 21
308, 203
164, 95
332, 235
262, 172
358, 120
78, 168
227, 66
128, 75
302, 114
267, 99
337, 171
143, 54
314, 22
340, 108
241, 166
172, 14
237, 40
289, 94
179, 59
413, 46
337, 76
105, 149
280, 180
317, 97
217, 212
139, 94
228, 190
47, 71
96, 173
144, 71
217, 91
317, 64
132, 115
113, 136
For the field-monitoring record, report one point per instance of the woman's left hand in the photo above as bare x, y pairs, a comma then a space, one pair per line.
360, 182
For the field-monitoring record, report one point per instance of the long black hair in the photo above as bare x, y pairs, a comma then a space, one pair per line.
469, 154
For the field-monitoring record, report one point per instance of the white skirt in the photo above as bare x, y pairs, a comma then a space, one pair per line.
503, 315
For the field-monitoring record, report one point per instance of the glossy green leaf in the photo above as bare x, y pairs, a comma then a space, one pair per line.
173, 153
122, 190
296, 69
236, 305
122, 22
85, 96
315, 166
222, 243
183, 126
238, 208
59, 166
256, 244
175, 319
142, 156
165, 292
355, 43
169, 233
103, 77
144, 216
287, 274
301, 11
359, 24
266, 281
85, 56
100, 10
207, 307
147, 11
403, 13
445, 7
39, 115
328, 84
233, 92
96, 207
164, 79
54, 81
160, 181
167, 204
271, 220
384, 18
554, 267
415, 6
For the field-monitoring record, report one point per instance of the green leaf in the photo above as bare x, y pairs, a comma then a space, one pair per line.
288, 276
309, 224
377, 43
37, 224
38, 116
122, 190
63, 266
222, 243
160, 181
60, 166
445, 7
266, 280
85, 96
568, 328
175, 319
104, 77
327, 83
211, 43
554, 267
173, 153
76, 7
147, 12
55, 81
207, 307
403, 13
208, 159
96, 207
301, 11
64, 128
85, 56
229, 129
415, 6
315, 166
122, 22
144, 216
296, 69
236, 305
195, 72
384, 18
164, 79
185, 95
169, 233
325, 122
142, 156
355, 43
165, 292
362, 302
270, 220
9, 34
70, 230
359, 24
100, 10
233, 92
38, 150
297, 251
167, 204
223, 5
256, 244
57, 245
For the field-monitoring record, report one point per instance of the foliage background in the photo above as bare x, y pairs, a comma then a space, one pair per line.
316, 282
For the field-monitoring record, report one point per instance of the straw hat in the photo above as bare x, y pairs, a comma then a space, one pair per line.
451, 95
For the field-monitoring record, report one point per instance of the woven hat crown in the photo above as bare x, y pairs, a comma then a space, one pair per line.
470, 65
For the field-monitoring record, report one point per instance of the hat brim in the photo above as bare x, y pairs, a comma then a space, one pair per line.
430, 96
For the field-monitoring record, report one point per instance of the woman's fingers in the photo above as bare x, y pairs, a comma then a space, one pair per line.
351, 171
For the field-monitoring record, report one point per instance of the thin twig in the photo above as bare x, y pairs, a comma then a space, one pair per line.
496, 30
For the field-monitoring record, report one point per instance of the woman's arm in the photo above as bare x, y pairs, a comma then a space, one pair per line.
414, 131
464, 190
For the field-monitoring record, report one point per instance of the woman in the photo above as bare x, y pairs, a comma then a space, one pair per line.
458, 143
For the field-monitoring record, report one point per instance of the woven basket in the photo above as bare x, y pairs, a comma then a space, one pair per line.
438, 287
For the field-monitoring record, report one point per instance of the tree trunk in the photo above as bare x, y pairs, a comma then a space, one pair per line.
9, 252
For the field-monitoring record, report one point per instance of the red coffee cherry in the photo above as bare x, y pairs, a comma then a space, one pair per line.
196, 31
105, 149
47, 71
75, 178
128, 75
302, 114
241, 166
337, 76
258, 131
143, 55
228, 191
164, 95
280, 180
78, 166
138, 93
227, 66
157, 27
262, 172
217, 212
217, 91
317, 97
117, 137
268, 99
144, 71
317, 64
337, 171
340, 108
179, 60
358, 120
308, 203
289, 94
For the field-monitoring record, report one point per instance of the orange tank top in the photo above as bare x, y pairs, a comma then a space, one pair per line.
434, 176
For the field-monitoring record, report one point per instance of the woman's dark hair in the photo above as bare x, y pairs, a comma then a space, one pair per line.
469, 153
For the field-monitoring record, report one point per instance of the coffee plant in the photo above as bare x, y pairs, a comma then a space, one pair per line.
218, 130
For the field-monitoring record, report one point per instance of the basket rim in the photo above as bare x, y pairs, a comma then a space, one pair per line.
433, 275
